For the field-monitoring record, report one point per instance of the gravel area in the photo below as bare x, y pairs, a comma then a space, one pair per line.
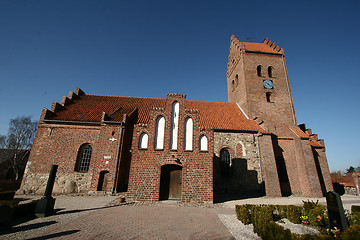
67, 208
297, 228
239, 230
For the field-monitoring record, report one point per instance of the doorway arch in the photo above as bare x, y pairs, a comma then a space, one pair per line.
170, 182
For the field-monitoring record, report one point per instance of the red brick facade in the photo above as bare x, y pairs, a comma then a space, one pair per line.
254, 145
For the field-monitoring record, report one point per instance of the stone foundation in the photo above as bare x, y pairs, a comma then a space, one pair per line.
65, 183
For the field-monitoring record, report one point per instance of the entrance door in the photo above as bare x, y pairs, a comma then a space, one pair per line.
170, 182
103, 181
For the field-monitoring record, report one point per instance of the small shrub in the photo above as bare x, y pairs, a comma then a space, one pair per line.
308, 205
355, 208
318, 211
352, 233
243, 213
293, 213
354, 218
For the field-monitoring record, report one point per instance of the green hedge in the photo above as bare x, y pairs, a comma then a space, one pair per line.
262, 217
352, 233
355, 208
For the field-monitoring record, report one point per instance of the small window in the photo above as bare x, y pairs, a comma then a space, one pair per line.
259, 69
143, 140
203, 143
83, 159
268, 97
270, 71
233, 85
236, 80
160, 132
188, 138
174, 125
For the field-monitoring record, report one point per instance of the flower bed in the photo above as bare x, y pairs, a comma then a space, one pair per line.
264, 217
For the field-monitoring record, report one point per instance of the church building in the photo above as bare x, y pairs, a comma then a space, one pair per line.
186, 150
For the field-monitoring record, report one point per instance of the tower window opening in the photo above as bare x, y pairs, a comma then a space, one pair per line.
268, 97
259, 68
236, 80
270, 71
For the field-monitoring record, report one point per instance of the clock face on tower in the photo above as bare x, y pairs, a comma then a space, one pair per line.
268, 84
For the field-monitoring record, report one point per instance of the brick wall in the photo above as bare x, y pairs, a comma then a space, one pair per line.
145, 169
59, 144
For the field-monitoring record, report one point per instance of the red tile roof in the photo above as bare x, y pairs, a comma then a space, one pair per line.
258, 47
303, 134
89, 108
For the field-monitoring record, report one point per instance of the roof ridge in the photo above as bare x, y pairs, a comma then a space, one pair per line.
98, 95
208, 101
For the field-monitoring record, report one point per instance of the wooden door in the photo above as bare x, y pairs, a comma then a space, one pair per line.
103, 181
170, 182
175, 184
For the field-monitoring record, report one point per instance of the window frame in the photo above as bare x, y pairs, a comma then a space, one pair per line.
83, 159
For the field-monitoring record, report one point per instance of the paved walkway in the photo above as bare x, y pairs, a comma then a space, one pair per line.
143, 222
90, 217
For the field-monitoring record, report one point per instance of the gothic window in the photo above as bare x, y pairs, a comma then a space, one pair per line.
203, 143
270, 71
188, 138
83, 158
236, 80
259, 68
143, 140
159, 132
174, 125
225, 157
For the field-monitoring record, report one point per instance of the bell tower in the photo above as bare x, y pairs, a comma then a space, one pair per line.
257, 80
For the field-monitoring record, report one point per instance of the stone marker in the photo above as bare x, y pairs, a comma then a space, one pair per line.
336, 211
45, 206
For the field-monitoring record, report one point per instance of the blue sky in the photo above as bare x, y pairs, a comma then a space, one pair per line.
150, 48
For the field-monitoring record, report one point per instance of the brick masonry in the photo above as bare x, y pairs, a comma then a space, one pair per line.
278, 161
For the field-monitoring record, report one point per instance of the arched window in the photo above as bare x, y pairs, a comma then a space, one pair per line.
188, 138
225, 157
174, 125
83, 158
159, 132
203, 142
236, 80
270, 71
259, 68
143, 140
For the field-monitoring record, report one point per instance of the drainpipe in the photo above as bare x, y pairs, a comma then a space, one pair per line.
118, 158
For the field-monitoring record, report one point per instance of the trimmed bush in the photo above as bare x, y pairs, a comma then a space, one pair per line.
354, 218
352, 233
355, 209
293, 213
243, 213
